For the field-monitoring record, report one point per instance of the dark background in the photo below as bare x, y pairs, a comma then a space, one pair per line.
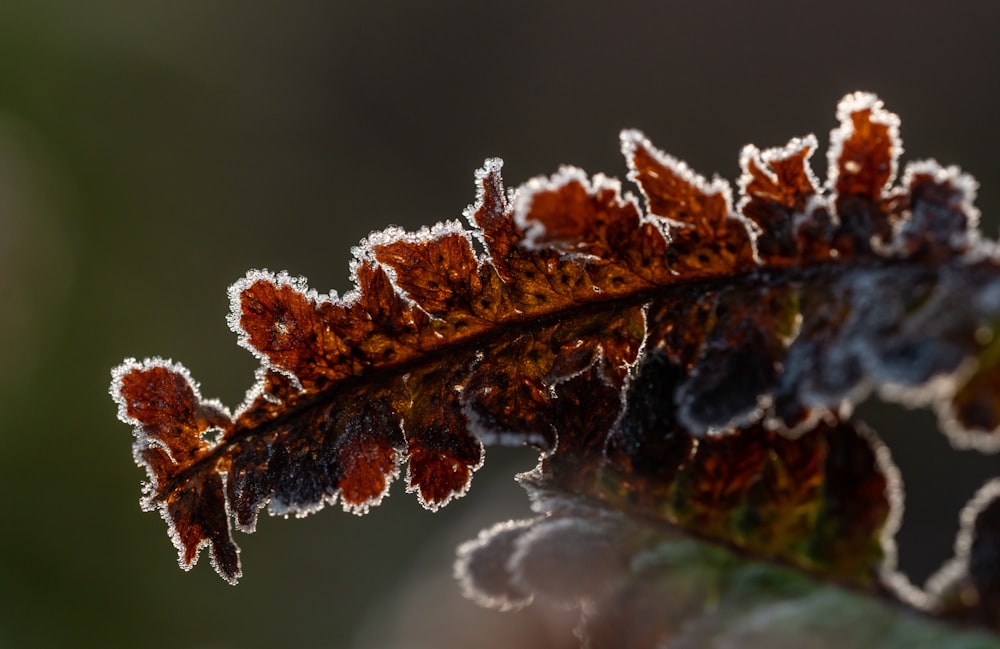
150, 153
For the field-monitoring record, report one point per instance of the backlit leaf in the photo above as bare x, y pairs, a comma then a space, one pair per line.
685, 365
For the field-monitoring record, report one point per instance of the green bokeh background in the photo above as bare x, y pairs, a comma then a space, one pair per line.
151, 153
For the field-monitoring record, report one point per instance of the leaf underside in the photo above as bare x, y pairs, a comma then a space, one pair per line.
680, 360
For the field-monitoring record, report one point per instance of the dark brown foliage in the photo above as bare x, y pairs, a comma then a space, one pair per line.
686, 363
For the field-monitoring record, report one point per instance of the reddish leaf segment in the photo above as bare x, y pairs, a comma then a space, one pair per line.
622, 342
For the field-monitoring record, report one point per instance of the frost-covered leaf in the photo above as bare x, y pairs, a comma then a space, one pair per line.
645, 586
680, 361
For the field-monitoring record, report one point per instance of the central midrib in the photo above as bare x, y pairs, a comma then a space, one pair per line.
754, 276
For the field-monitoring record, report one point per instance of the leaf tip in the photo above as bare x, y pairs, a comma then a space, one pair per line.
864, 148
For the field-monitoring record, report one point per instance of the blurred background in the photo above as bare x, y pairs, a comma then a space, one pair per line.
151, 153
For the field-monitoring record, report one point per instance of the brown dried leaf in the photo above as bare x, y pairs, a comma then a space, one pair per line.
685, 363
